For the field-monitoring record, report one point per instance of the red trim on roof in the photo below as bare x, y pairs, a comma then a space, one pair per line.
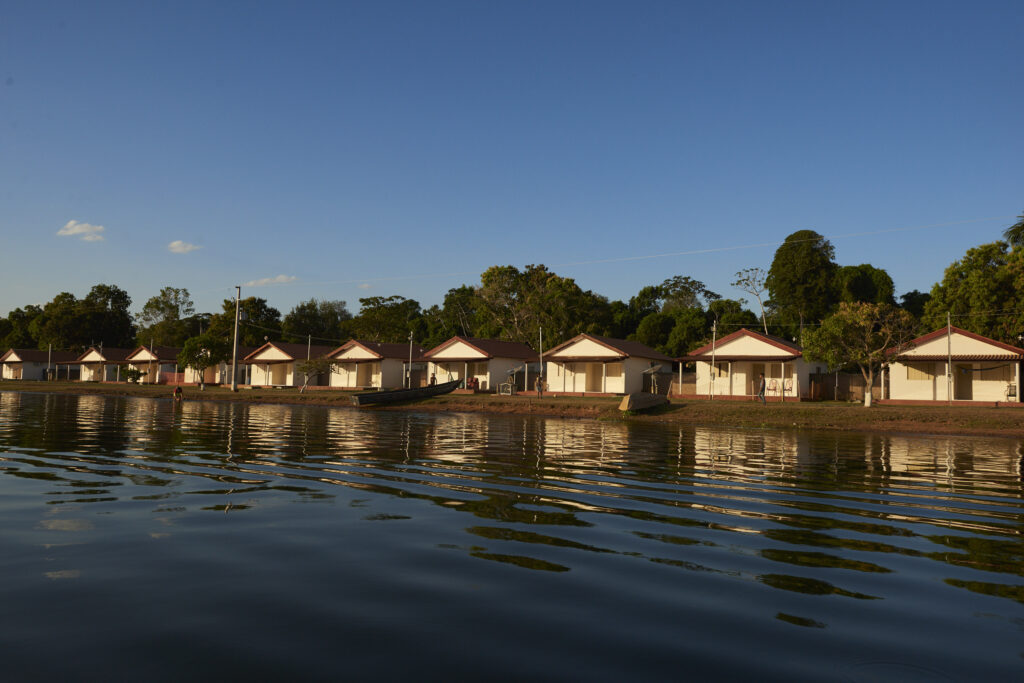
624, 347
941, 332
293, 351
379, 349
489, 348
794, 349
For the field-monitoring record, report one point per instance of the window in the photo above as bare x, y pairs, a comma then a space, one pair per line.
995, 373
613, 370
920, 371
723, 370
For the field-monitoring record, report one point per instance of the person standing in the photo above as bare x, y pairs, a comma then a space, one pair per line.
539, 385
761, 388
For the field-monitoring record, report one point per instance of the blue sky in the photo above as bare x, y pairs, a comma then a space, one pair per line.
377, 148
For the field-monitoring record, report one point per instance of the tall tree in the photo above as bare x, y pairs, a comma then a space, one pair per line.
859, 334
387, 318
1015, 233
320, 319
983, 292
516, 304
163, 318
913, 302
106, 312
61, 324
801, 279
260, 321
752, 281
864, 283
20, 335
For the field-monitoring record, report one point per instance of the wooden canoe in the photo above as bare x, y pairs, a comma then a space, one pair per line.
395, 395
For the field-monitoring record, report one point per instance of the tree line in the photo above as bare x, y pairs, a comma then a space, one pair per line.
803, 295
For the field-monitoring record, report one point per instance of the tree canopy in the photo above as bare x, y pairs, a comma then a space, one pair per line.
859, 334
802, 278
164, 318
983, 292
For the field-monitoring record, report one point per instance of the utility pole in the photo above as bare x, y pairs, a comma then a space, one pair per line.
949, 360
714, 338
408, 371
234, 352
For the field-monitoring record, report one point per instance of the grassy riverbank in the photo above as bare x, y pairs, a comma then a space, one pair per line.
986, 421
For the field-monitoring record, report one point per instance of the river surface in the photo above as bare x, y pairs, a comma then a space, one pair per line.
140, 540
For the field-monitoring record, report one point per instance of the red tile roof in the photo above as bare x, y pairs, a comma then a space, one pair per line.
38, 356
109, 354
1014, 352
624, 347
293, 351
789, 350
489, 348
164, 354
382, 349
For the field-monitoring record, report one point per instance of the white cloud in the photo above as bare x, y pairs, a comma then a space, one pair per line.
365, 285
279, 280
86, 232
179, 247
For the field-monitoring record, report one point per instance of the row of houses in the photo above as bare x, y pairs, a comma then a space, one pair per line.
586, 364
948, 364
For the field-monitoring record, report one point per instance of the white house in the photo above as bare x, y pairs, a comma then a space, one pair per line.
591, 364
362, 364
731, 367
32, 364
275, 364
484, 363
160, 363
100, 364
982, 369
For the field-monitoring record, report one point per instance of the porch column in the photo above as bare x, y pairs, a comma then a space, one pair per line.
465, 375
730, 379
604, 378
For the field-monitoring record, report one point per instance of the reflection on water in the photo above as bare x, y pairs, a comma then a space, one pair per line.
292, 541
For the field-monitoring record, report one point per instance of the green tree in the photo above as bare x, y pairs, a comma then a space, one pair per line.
516, 304
802, 278
983, 292
1015, 233
387, 319
730, 316
60, 324
913, 302
202, 352
321, 319
864, 283
859, 334
259, 322
20, 335
163, 319
107, 315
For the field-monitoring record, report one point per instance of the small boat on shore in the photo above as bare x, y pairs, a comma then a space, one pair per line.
395, 395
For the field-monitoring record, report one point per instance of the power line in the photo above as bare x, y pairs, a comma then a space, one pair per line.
642, 257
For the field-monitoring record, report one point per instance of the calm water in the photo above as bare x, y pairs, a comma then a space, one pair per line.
142, 541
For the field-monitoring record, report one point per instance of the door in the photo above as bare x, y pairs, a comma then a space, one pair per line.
756, 370
595, 377
963, 383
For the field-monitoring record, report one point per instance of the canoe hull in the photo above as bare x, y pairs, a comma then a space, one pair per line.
395, 395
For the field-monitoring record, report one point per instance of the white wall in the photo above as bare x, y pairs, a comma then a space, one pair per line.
935, 389
737, 378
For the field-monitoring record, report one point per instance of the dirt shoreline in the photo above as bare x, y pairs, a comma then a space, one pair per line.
939, 420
